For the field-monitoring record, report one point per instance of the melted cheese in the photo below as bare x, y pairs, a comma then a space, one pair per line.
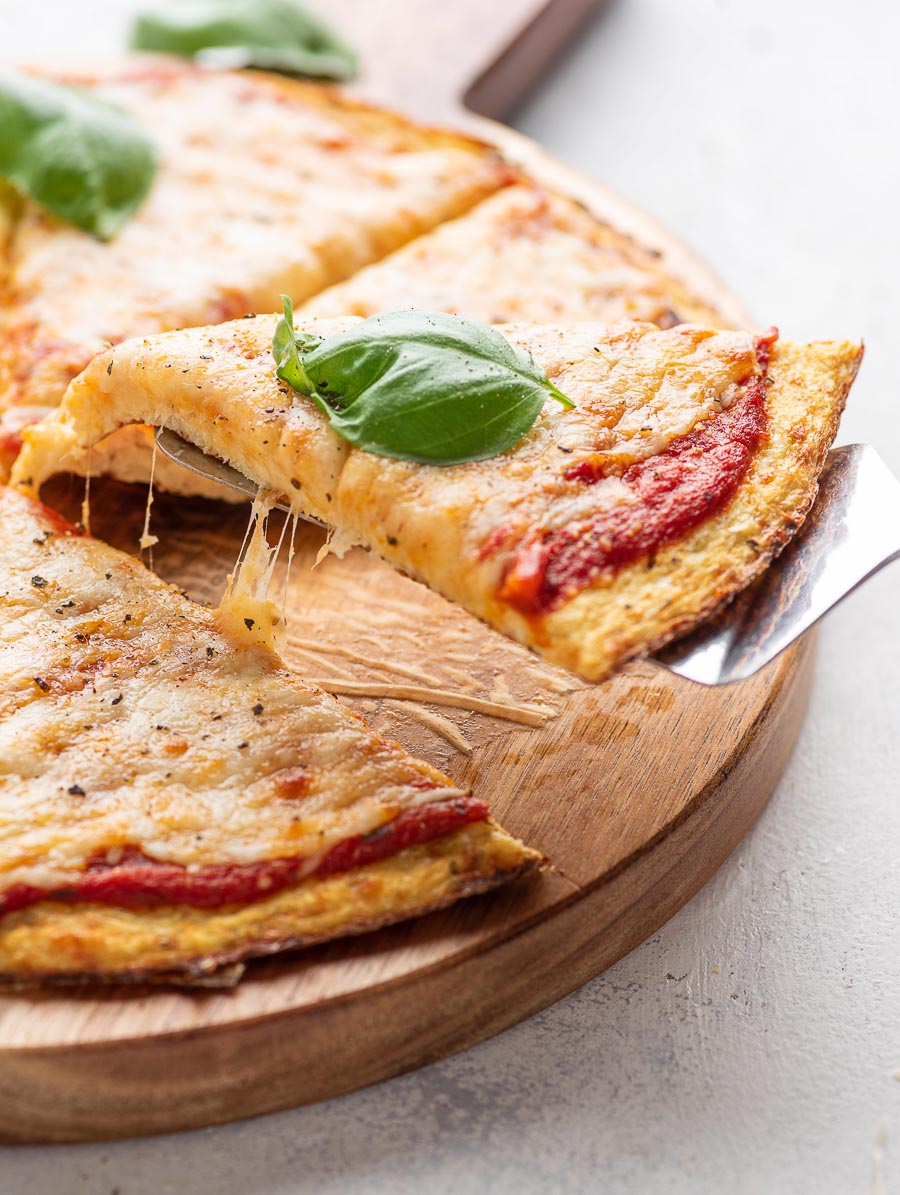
246, 611
147, 541
522, 255
131, 716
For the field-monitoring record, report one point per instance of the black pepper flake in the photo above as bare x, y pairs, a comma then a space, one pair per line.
217, 718
153, 661
117, 699
376, 834
241, 746
108, 576
328, 497
67, 604
109, 367
81, 638
205, 358
75, 790
127, 618
295, 483
39, 582
392, 540
563, 448
209, 653
41, 683
258, 709
249, 623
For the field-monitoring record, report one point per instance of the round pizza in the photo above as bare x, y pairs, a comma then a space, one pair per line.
174, 800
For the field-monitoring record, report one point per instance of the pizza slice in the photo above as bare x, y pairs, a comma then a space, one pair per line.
523, 255
265, 185
689, 459
173, 799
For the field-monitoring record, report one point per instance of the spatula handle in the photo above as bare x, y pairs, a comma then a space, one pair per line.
432, 58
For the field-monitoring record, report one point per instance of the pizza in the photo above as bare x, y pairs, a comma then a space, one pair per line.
173, 800
234, 220
265, 185
690, 458
523, 255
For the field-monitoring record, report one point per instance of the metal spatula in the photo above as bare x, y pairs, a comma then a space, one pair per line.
852, 531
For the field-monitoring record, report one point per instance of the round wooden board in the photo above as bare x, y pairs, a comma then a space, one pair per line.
637, 790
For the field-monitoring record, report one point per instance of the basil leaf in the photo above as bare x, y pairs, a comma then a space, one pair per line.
272, 35
285, 345
418, 385
88, 162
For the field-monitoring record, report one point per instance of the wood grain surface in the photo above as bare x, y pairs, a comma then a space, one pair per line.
637, 789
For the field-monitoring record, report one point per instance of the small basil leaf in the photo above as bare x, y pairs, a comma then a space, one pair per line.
285, 345
273, 35
86, 161
421, 386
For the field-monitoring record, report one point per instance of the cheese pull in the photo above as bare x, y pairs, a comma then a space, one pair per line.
174, 800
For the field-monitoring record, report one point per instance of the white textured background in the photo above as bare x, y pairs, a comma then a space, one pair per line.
753, 1045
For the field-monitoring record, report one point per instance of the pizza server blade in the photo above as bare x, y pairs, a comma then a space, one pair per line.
184, 453
852, 531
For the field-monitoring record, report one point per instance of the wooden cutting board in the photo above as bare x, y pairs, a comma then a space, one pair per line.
637, 789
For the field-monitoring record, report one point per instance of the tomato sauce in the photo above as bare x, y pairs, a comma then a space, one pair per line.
138, 881
674, 491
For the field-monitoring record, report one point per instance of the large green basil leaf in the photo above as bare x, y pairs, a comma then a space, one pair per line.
88, 162
418, 385
273, 35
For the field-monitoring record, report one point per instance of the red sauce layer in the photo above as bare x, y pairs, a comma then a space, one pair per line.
137, 881
675, 491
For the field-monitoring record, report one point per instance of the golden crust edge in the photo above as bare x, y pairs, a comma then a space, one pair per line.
589, 635
54, 942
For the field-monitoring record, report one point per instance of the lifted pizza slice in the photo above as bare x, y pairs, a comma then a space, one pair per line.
173, 799
689, 459
265, 185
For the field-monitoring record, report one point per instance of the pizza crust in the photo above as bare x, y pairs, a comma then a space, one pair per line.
53, 942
